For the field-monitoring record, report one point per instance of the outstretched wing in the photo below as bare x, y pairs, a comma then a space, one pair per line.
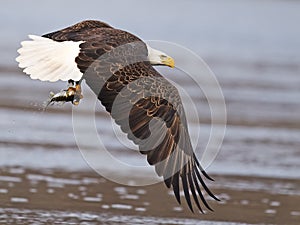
149, 110
84, 26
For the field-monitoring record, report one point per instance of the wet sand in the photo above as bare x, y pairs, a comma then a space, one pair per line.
51, 196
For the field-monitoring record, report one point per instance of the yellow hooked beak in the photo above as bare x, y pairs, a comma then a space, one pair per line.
168, 61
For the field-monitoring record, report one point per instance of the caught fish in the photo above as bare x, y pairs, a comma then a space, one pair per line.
72, 94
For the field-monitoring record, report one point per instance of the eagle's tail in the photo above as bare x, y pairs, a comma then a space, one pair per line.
48, 60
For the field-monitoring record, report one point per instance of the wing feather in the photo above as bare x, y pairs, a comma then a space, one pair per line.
186, 188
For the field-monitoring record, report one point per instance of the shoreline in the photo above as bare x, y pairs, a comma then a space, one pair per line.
86, 192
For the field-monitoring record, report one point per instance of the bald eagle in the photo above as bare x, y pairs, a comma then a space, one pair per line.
118, 67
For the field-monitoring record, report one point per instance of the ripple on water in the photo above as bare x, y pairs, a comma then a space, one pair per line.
11, 184
90, 180
275, 203
82, 188
73, 196
141, 191
177, 209
50, 191
244, 202
3, 191
55, 185
295, 213
92, 199
120, 190
18, 199
10, 179
270, 211
105, 206
83, 193
52, 180
121, 206
140, 209
33, 190
128, 196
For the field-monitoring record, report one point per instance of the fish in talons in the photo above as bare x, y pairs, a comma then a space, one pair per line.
72, 94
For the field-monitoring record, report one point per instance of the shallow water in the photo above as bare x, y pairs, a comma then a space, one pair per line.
253, 141
13, 215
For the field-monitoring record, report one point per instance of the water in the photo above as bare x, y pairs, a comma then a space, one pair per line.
74, 217
252, 47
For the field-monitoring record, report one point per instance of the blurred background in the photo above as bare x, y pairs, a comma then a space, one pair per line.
253, 47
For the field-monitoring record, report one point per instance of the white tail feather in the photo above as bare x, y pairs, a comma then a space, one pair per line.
48, 60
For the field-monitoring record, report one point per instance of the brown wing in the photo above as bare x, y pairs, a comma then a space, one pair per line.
84, 26
147, 107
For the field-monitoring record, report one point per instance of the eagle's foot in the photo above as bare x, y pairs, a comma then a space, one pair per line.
77, 94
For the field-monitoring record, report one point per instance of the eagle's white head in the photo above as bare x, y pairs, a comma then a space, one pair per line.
157, 57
